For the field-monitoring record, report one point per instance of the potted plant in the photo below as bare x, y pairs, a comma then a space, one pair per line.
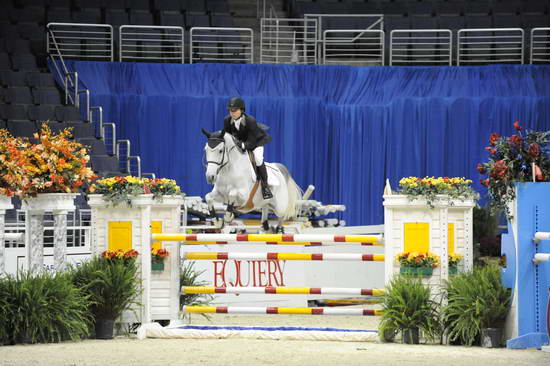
12, 163
157, 258
522, 157
111, 282
417, 263
454, 259
477, 307
408, 307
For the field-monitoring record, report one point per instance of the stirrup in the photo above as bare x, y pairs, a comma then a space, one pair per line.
266, 192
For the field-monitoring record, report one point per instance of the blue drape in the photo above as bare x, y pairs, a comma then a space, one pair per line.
343, 129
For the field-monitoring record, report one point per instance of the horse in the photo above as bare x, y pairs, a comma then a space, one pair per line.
231, 171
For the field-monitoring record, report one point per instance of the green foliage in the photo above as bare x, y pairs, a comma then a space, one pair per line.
476, 300
190, 277
112, 286
407, 304
41, 308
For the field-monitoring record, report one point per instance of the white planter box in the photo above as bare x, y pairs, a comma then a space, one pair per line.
5, 203
50, 202
97, 200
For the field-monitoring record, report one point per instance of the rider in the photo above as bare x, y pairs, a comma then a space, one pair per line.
251, 138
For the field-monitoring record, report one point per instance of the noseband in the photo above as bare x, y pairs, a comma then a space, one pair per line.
221, 164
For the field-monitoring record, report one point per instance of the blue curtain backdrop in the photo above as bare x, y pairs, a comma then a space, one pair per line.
343, 129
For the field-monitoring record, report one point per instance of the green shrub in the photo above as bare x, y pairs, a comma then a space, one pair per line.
476, 300
41, 308
111, 285
407, 304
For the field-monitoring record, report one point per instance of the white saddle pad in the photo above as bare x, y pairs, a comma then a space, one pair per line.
274, 175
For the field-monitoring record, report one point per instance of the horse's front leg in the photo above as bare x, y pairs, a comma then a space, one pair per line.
211, 198
234, 198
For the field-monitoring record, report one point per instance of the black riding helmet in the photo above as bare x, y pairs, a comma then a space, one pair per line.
235, 103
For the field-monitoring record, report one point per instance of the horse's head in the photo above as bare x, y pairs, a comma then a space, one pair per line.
216, 152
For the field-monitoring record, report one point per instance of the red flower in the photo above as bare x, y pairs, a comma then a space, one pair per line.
538, 173
499, 169
515, 140
517, 126
485, 182
491, 151
493, 138
534, 150
481, 169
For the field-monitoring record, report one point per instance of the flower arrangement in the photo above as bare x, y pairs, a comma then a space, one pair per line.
120, 255
159, 254
120, 190
522, 157
429, 188
454, 258
418, 259
12, 161
55, 165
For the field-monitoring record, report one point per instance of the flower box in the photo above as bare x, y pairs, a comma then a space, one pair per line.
5, 203
157, 265
50, 202
416, 271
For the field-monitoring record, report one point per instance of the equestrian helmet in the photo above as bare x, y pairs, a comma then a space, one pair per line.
236, 103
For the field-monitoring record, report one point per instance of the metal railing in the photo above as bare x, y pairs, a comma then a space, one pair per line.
365, 22
421, 46
491, 45
122, 153
265, 9
211, 44
82, 41
288, 40
151, 43
353, 47
540, 45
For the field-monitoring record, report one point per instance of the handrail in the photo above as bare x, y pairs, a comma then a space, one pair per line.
100, 109
77, 104
138, 160
65, 77
113, 135
128, 146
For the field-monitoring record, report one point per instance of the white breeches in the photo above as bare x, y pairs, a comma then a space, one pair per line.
259, 155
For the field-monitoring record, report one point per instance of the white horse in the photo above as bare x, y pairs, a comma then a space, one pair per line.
231, 171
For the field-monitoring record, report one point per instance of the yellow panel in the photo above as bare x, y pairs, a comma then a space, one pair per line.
451, 238
120, 235
156, 228
417, 237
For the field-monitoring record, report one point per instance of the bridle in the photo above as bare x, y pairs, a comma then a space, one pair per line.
221, 164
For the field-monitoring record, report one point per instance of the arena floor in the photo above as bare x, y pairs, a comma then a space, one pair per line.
130, 351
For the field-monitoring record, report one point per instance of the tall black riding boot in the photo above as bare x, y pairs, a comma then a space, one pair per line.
262, 172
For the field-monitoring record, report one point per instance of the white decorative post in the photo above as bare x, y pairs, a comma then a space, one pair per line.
59, 204
5, 204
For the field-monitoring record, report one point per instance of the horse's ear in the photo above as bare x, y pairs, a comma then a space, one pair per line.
206, 133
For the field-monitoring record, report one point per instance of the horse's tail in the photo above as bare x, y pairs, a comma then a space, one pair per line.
294, 193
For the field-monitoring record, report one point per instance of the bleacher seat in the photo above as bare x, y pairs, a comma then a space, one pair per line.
334, 8
16, 112
17, 46
87, 4
217, 7
506, 21
193, 20
81, 129
141, 18
535, 20
13, 78
67, 114
394, 9
453, 23
18, 95
424, 9
168, 18
104, 164
87, 16
396, 23
173, 6
22, 3
9, 31
115, 4
46, 96
21, 128
422, 22
5, 63
365, 8
473, 22
534, 7
478, 7
450, 8
197, 7
29, 14
139, 5
60, 3
25, 62
41, 113
116, 17
59, 15
507, 7
95, 146
31, 31
40, 80
222, 21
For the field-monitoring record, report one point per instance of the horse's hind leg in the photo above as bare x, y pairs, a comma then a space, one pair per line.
265, 217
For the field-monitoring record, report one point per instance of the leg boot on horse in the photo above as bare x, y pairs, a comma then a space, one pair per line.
262, 174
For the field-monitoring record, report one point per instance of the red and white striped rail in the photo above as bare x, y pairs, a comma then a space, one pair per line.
282, 290
278, 310
284, 256
283, 239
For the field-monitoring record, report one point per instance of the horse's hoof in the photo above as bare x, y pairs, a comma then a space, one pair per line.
280, 229
265, 225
